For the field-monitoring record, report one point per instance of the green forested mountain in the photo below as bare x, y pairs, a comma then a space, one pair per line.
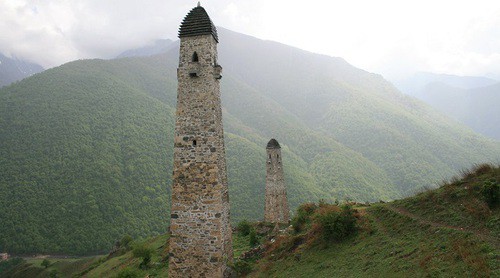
86, 148
83, 160
409, 142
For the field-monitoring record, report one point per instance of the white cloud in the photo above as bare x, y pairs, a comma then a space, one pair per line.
386, 36
58, 31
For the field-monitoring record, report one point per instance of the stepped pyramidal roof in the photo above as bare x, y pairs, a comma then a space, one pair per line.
196, 23
273, 144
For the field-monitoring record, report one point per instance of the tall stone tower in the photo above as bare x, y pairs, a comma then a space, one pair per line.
200, 242
276, 208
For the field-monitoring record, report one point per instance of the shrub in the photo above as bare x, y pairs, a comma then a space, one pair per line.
476, 170
128, 273
253, 238
336, 224
284, 245
302, 218
5, 266
45, 263
244, 228
482, 169
242, 267
54, 273
491, 193
125, 241
141, 251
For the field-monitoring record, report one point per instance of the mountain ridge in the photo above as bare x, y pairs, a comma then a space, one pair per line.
13, 69
469, 100
157, 47
87, 146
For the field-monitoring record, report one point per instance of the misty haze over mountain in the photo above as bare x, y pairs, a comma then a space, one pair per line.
13, 69
158, 46
471, 100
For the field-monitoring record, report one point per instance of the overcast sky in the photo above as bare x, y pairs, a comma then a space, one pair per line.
391, 37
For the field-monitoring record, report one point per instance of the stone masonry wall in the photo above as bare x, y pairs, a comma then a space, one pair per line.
200, 242
276, 206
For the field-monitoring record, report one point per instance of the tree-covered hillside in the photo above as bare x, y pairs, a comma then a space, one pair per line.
411, 143
83, 160
86, 148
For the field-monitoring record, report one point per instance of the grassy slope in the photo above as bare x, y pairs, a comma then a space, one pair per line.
100, 266
447, 232
399, 247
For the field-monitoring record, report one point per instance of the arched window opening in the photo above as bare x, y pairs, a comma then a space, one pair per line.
269, 156
278, 156
194, 142
195, 57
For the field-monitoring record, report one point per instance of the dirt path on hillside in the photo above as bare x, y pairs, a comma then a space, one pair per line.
483, 236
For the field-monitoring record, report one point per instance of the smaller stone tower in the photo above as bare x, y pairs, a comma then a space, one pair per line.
276, 208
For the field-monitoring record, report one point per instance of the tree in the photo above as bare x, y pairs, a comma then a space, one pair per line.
54, 273
141, 251
45, 263
128, 273
253, 238
125, 241
244, 227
